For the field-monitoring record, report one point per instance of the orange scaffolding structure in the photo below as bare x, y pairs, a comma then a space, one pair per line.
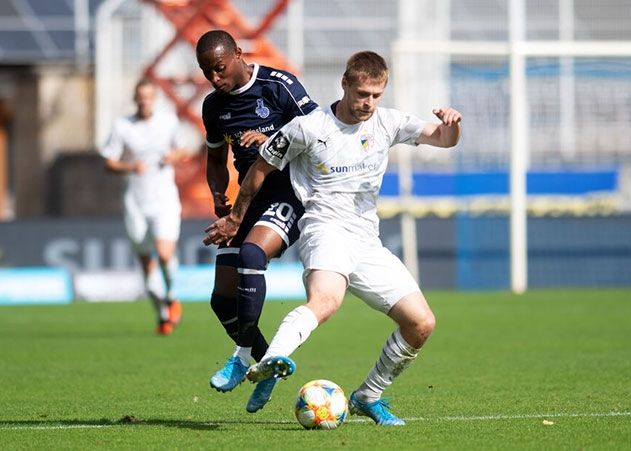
191, 19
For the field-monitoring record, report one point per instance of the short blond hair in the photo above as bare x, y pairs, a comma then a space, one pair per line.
366, 65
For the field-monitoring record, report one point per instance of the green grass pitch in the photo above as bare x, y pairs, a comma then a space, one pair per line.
546, 370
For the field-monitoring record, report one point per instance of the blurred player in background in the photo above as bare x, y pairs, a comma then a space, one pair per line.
143, 147
249, 103
338, 156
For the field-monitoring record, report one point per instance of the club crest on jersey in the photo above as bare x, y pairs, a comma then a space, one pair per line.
365, 139
279, 145
261, 110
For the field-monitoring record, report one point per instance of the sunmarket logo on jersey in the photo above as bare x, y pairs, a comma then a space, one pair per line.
360, 167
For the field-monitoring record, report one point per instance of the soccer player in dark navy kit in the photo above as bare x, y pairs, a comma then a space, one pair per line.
249, 103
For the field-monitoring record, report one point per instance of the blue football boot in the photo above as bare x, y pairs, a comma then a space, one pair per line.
231, 375
377, 410
261, 395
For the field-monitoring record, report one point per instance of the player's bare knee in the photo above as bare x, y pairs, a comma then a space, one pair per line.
424, 320
418, 329
428, 323
323, 306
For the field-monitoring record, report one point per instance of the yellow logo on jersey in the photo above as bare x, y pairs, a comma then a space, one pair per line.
322, 168
227, 138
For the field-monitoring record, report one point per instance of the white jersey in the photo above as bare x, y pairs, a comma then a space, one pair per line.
146, 140
336, 168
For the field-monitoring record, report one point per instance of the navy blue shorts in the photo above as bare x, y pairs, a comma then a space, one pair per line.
278, 210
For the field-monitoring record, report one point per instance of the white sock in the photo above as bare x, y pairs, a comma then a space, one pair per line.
168, 272
395, 357
244, 354
292, 332
155, 289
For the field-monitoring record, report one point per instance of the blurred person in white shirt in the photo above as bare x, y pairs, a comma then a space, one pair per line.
143, 147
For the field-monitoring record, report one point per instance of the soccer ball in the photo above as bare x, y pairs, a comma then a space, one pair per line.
321, 404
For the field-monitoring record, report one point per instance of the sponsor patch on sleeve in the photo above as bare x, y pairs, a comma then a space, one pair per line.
279, 145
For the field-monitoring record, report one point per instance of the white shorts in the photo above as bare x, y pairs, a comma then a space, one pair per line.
374, 274
144, 227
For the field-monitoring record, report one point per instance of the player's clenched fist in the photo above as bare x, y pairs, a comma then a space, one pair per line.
222, 204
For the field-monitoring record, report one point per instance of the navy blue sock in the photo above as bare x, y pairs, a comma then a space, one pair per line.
251, 292
226, 310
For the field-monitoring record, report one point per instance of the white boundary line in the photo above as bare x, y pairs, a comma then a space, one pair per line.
8, 426
5, 427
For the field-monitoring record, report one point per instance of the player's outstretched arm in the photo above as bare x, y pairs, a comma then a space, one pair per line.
445, 134
224, 229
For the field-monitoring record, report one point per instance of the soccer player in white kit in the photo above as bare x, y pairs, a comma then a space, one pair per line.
337, 158
144, 147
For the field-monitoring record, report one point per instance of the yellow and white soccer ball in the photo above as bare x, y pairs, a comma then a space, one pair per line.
321, 404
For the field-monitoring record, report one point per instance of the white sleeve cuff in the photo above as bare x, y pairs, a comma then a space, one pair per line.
214, 145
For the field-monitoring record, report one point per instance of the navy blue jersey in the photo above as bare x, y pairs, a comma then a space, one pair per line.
268, 101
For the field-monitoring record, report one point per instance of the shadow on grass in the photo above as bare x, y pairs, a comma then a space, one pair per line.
132, 421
